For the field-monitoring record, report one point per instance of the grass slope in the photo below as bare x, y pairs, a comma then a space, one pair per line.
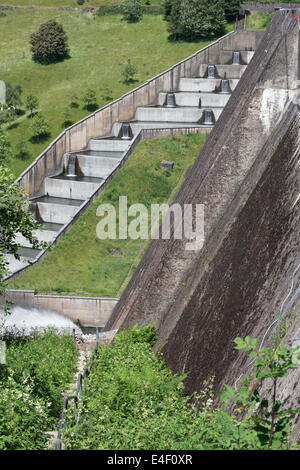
99, 49
70, 3
83, 264
259, 20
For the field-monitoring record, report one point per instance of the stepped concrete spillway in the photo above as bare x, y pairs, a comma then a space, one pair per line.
247, 274
194, 105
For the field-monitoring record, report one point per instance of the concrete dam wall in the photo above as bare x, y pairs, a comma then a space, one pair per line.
247, 176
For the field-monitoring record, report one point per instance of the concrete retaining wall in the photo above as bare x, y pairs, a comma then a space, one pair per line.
90, 311
252, 7
99, 124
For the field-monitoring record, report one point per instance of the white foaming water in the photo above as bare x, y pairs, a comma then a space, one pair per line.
26, 320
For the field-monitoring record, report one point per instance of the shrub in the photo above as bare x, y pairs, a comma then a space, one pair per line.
90, 100
231, 9
129, 72
31, 103
132, 11
40, 128
5, 150
49, 43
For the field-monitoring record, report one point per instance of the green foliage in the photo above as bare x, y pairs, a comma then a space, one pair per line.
47, 363
267, 418
196, 19
129, 72
49, 43
132, 11
31, 103
23, 416
14, 217
5, 148
38, 370
231, 9
13, 95
258, 20
90, 100
40, 128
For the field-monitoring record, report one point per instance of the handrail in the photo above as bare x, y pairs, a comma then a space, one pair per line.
77, 397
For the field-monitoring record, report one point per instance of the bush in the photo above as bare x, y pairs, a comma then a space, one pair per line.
40, 128
132, 11
129, 73
23, 416
49, 43
47, 363
196, 19
231, 9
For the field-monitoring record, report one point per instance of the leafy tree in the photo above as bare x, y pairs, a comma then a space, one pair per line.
268, 419
49, 43
14, 218
168, 9
90, 100
5, 150
129, 72
67, 120
40, 128
132, 11
13, 95
196, 19
231, 9
31, 103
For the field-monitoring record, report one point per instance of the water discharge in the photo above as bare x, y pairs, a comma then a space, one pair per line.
24, 321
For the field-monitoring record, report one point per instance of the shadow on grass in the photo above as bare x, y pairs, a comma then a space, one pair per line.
40, 139
91, 107
50, 60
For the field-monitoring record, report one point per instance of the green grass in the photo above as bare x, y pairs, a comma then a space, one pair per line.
81, 263
259, 20
99, 50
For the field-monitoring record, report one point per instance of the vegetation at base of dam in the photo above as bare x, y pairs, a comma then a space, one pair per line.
84, 265
133, 401
32, 382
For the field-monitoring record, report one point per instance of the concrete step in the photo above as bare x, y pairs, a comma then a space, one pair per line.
72, 188
223, 71
205, 85
204, 100
226, 57
111, 145
101, 167
136, 126
95, 153
14, 264
42, 235
57, 210
170, 115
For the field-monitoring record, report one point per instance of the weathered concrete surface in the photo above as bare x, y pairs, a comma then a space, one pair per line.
90, 311
253, 277
228, 155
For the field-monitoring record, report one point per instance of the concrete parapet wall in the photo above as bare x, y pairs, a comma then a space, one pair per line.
90, 311
100, 123
267, 7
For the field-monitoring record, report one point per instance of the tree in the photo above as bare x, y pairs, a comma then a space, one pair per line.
13, 95
5, 150
31, 103
196, 19
14, 218
168, 9
231, 9
132, 11
40, 128
49, 43
90, 100
129, 72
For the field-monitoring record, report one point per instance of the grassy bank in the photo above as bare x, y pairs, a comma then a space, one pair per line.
259, 20
81, 263
99, 50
